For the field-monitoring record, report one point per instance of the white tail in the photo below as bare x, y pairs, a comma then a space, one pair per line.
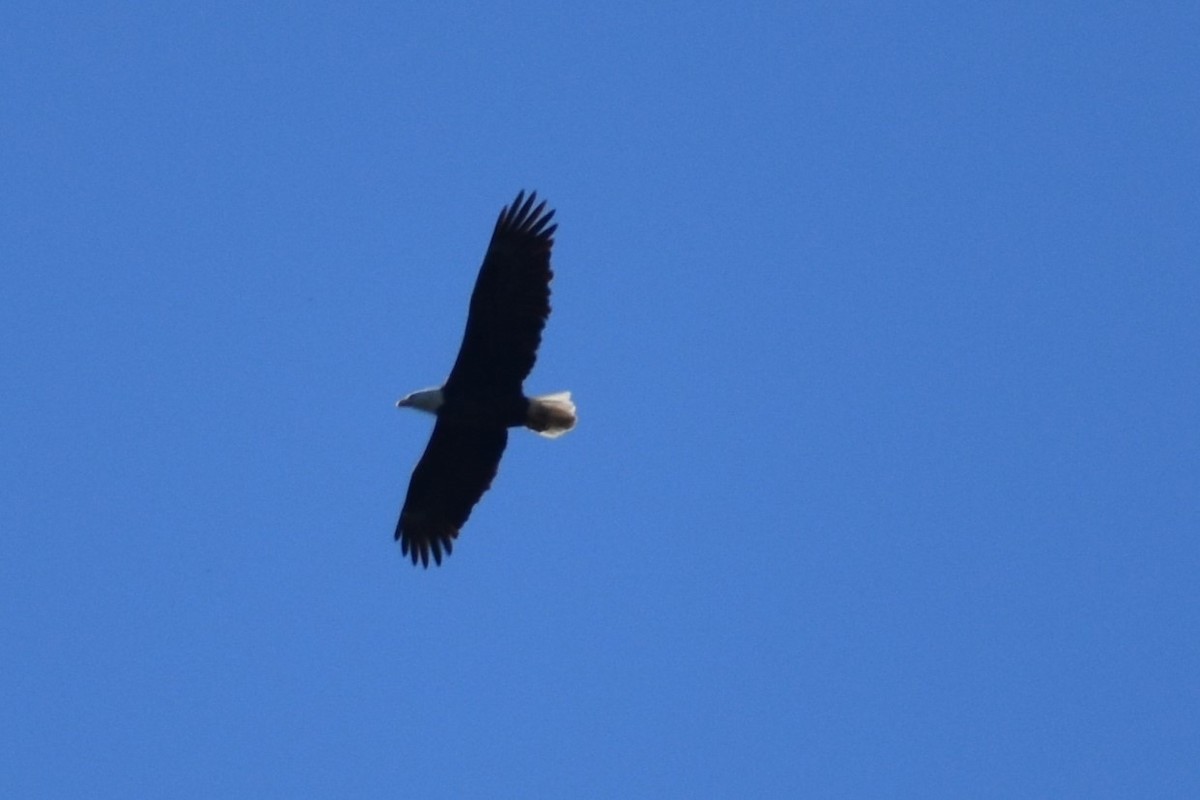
551, 415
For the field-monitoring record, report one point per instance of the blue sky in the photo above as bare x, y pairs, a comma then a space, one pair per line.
882, 323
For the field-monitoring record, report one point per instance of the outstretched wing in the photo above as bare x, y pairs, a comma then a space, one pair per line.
458, 466
510, 303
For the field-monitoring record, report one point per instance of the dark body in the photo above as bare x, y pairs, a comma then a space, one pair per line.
483, 396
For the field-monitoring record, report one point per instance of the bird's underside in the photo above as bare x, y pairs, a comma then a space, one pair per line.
483, 395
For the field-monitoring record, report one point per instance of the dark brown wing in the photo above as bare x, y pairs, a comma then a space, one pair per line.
509, 305
458, 466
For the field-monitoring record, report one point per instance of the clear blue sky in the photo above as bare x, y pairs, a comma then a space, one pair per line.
883, 324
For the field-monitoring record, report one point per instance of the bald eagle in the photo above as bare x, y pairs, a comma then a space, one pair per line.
484, 396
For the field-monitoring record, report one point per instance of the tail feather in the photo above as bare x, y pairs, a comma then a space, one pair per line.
551, 415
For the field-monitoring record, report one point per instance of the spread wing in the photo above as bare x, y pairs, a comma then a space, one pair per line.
458, 466
510, 303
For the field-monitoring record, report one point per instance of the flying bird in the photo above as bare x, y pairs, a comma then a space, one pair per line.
484, 395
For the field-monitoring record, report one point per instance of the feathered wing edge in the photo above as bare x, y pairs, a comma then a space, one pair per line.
458, 466
510, 301
421, 537
521, 217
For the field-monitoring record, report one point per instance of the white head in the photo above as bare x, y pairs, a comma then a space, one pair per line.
425, 400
